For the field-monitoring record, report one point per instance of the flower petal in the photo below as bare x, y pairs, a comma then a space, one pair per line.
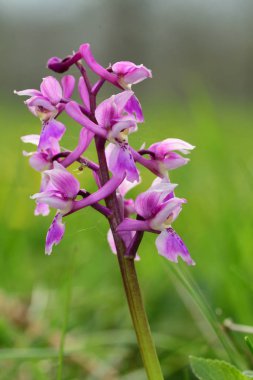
164, 147
147, 204
170, 245
120, 161
55, 233
41, 209
137, 75
39, 161
167, 214
32, 139
106, 112
68, 85
51, 89
174, 161
133, 106
131, 73
53, 129
28, 92
63, 181
119, 127
53, 199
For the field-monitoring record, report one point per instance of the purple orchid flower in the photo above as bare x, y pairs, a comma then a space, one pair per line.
116, 117
122, 74
158, 207
163, 153
45, 104
128, 73
47, 145
41, 160
61, 189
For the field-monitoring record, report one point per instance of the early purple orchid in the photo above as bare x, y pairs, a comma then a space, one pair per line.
45, 104
112, 121
128, 73
108, 125
158, 208
122, 74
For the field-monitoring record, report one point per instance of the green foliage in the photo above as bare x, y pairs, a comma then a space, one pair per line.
207, 369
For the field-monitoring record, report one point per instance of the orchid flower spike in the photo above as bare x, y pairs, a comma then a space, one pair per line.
108, 126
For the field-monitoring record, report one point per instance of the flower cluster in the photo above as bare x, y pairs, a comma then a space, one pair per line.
108, 124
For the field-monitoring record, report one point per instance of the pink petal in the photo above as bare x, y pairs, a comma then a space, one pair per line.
168, 210
41, 209
51, 88
174, 161
106, 112
63, 181
68, 85
40, 101
133, 106
147, 204
54, 200
123, 67
119, 127
120, 162
137, 75
39, 161
164, 147
32, 139
55, 233
51, 131
28, 92
170, 245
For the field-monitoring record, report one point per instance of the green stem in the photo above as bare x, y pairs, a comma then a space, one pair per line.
130, 281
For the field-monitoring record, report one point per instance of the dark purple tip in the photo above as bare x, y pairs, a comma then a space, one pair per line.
59, 65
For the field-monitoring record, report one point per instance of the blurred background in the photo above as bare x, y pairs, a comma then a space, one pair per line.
201, 55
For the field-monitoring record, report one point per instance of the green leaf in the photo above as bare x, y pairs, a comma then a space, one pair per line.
207, 369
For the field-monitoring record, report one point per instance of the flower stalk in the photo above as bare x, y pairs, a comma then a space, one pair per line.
130, 282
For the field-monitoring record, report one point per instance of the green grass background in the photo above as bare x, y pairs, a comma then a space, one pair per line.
78, 290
